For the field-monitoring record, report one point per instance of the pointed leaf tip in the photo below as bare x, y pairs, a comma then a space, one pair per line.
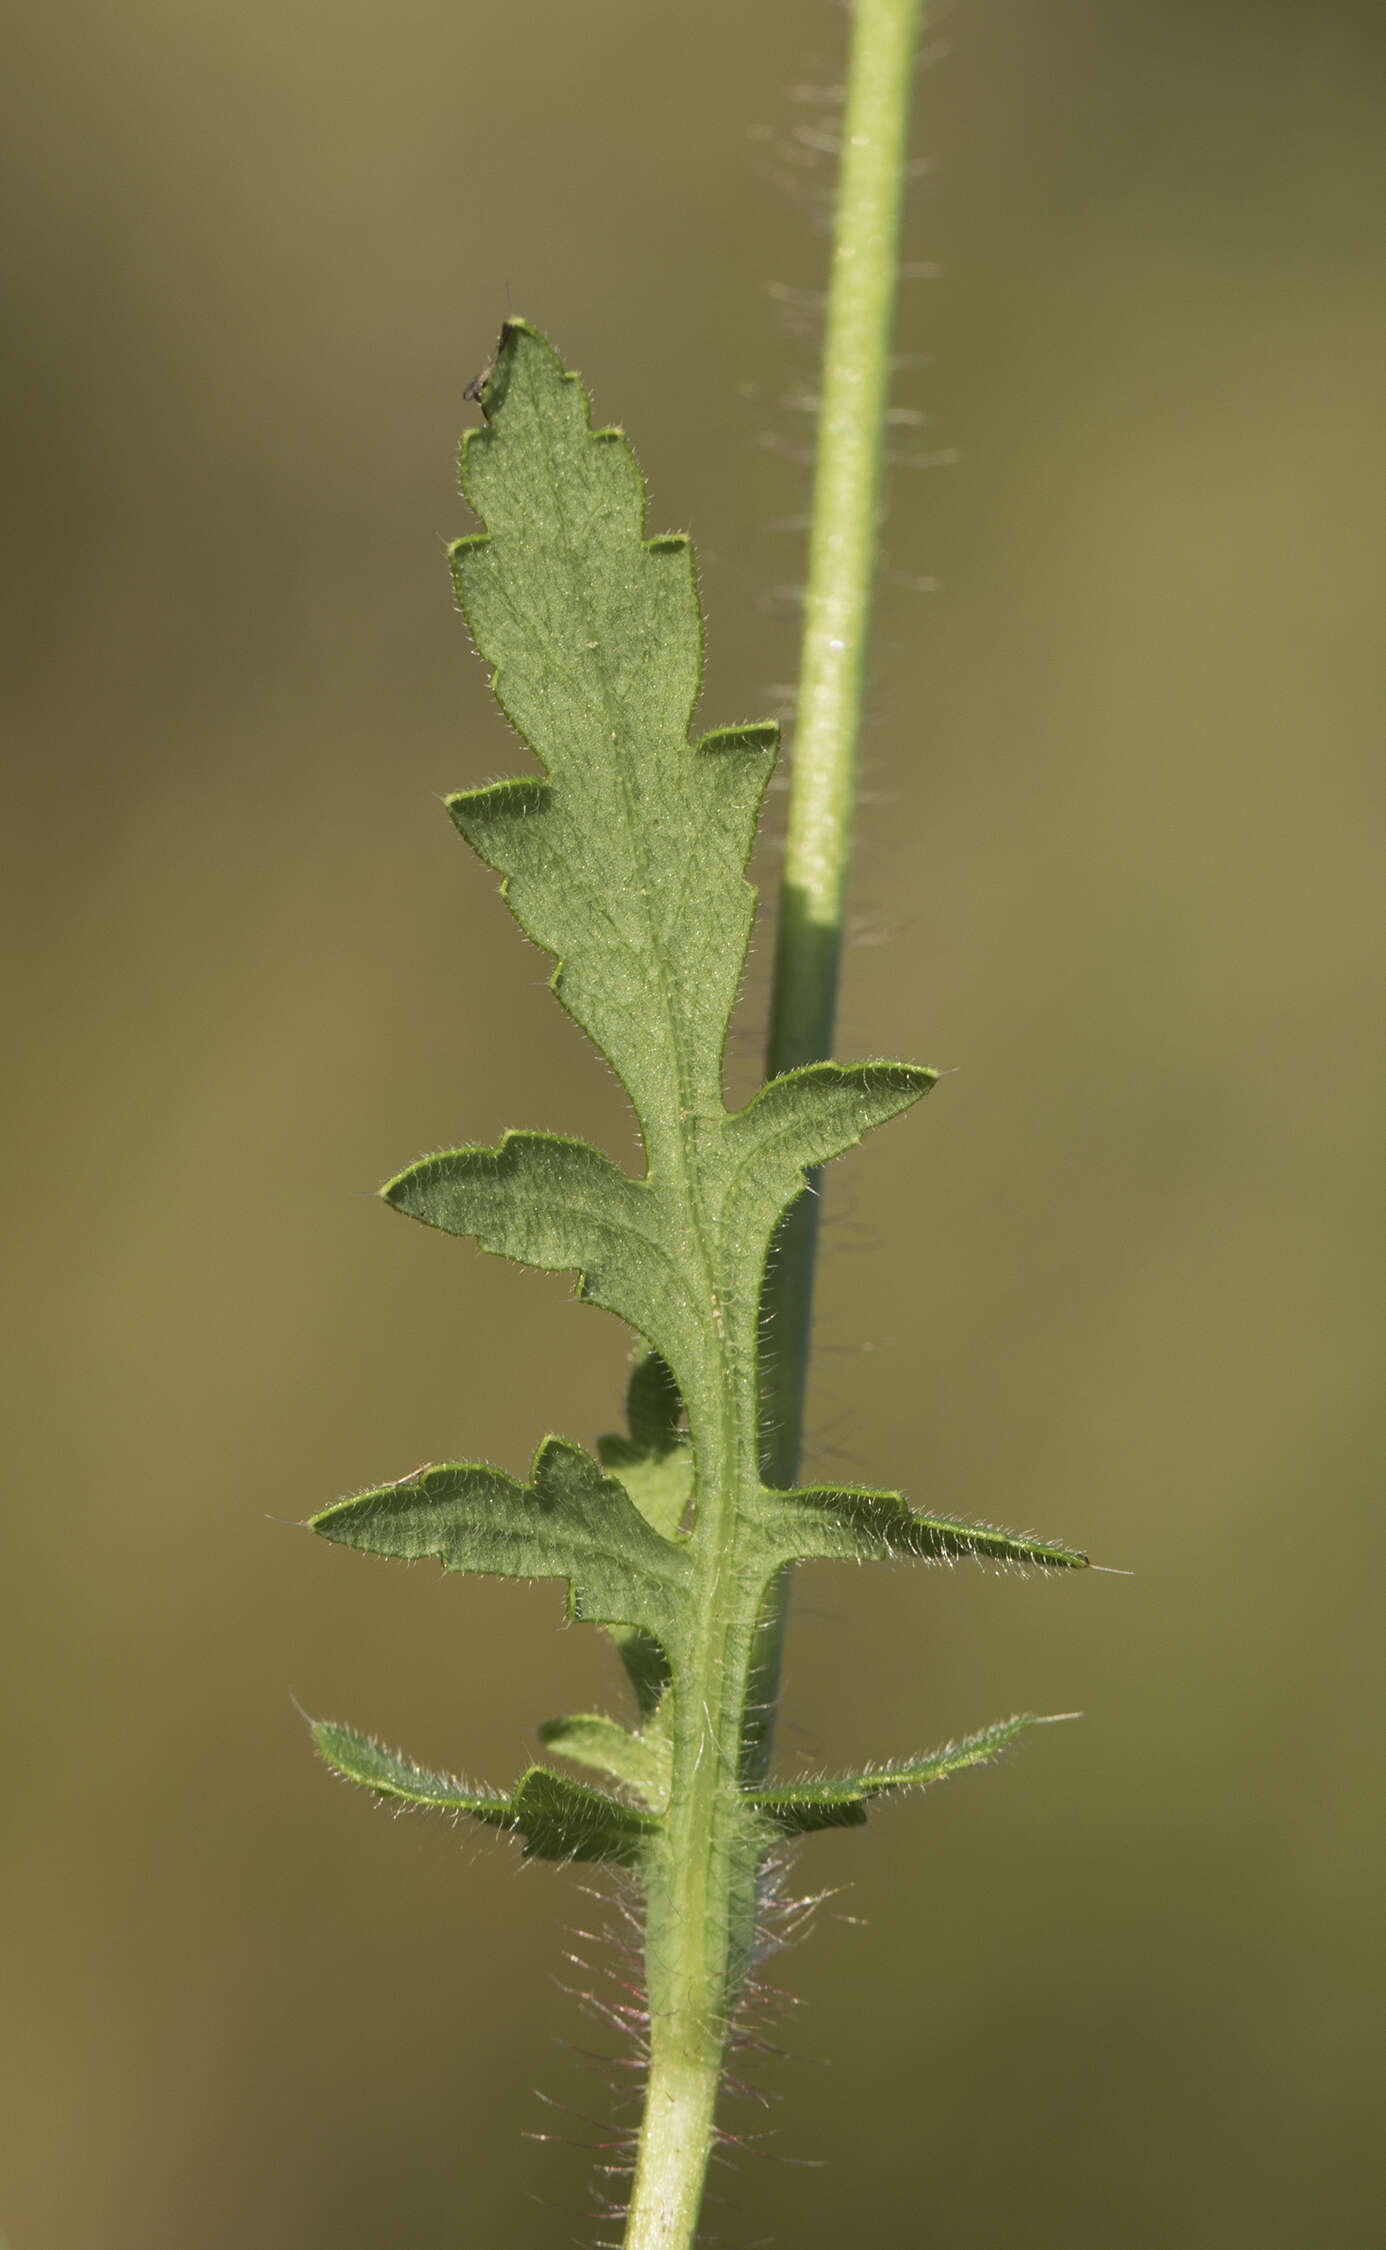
364, 1760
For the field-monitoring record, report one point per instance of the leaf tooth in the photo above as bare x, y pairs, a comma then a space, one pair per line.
487, 817
753, 739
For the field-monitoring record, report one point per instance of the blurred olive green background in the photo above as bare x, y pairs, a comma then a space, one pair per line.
1120, 1279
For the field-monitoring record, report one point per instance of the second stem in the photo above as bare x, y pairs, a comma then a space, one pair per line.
837, 611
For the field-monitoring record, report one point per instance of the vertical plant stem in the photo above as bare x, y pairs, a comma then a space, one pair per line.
842, 547
690, 2011
675, 2142
691, 1992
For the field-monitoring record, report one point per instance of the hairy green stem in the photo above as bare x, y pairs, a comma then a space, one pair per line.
837, 612
855, 387
690, 2001
675, 2141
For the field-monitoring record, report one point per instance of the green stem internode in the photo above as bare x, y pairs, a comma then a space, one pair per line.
842, 544
837, 613
675, 2140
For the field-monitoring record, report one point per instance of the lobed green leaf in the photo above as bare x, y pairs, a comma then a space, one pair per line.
624, 857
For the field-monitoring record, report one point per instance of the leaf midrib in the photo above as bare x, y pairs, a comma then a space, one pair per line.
677, 1128
717, 1515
